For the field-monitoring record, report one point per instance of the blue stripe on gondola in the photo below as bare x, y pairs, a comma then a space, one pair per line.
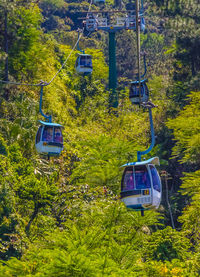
135, 207
130, 192
53, 154
58, 144
86, 66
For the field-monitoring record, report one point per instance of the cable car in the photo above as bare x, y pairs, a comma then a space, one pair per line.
134, 93
49, 139
84, 64
141, 185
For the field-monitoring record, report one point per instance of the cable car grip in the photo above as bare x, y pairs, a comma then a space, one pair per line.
48, 117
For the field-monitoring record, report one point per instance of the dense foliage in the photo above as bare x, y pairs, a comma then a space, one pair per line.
63, 217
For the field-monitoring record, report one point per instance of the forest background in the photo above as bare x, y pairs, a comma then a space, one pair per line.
63, 217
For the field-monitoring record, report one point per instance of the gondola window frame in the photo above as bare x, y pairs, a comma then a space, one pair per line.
157, 183
52, 136
147, 185
39, 133
123, 185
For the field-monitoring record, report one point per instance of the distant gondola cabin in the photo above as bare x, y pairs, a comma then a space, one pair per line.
141, 185
84, 64
135, 93
49, 139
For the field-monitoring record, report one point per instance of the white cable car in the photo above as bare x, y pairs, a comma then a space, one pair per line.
84, 64
49, 139
134, 92
141, 185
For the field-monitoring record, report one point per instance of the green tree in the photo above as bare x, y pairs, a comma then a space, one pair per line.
186, 131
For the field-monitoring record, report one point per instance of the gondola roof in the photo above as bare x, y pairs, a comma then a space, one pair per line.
137, 82
50, 124
154, 160
84, 55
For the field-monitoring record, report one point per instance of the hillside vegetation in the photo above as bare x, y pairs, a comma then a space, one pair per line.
63, 216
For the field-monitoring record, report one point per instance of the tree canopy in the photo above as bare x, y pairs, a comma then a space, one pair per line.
63, 216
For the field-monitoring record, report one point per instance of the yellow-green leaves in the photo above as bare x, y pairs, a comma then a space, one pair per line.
186, 128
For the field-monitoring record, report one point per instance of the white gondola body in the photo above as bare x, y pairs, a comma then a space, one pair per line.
52, 146
138, 201
136, 100
84, 64
135, 94
83, 69
46, 149
147, 197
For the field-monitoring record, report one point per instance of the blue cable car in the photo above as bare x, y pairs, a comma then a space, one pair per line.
134, 92
49, 139
84, 64
141, 185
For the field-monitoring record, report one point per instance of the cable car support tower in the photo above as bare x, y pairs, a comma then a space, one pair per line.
108, 22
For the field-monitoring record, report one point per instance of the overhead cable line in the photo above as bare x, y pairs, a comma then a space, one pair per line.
77, 42
89, 7
65, 61
20, 84
42, 83
138, 48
